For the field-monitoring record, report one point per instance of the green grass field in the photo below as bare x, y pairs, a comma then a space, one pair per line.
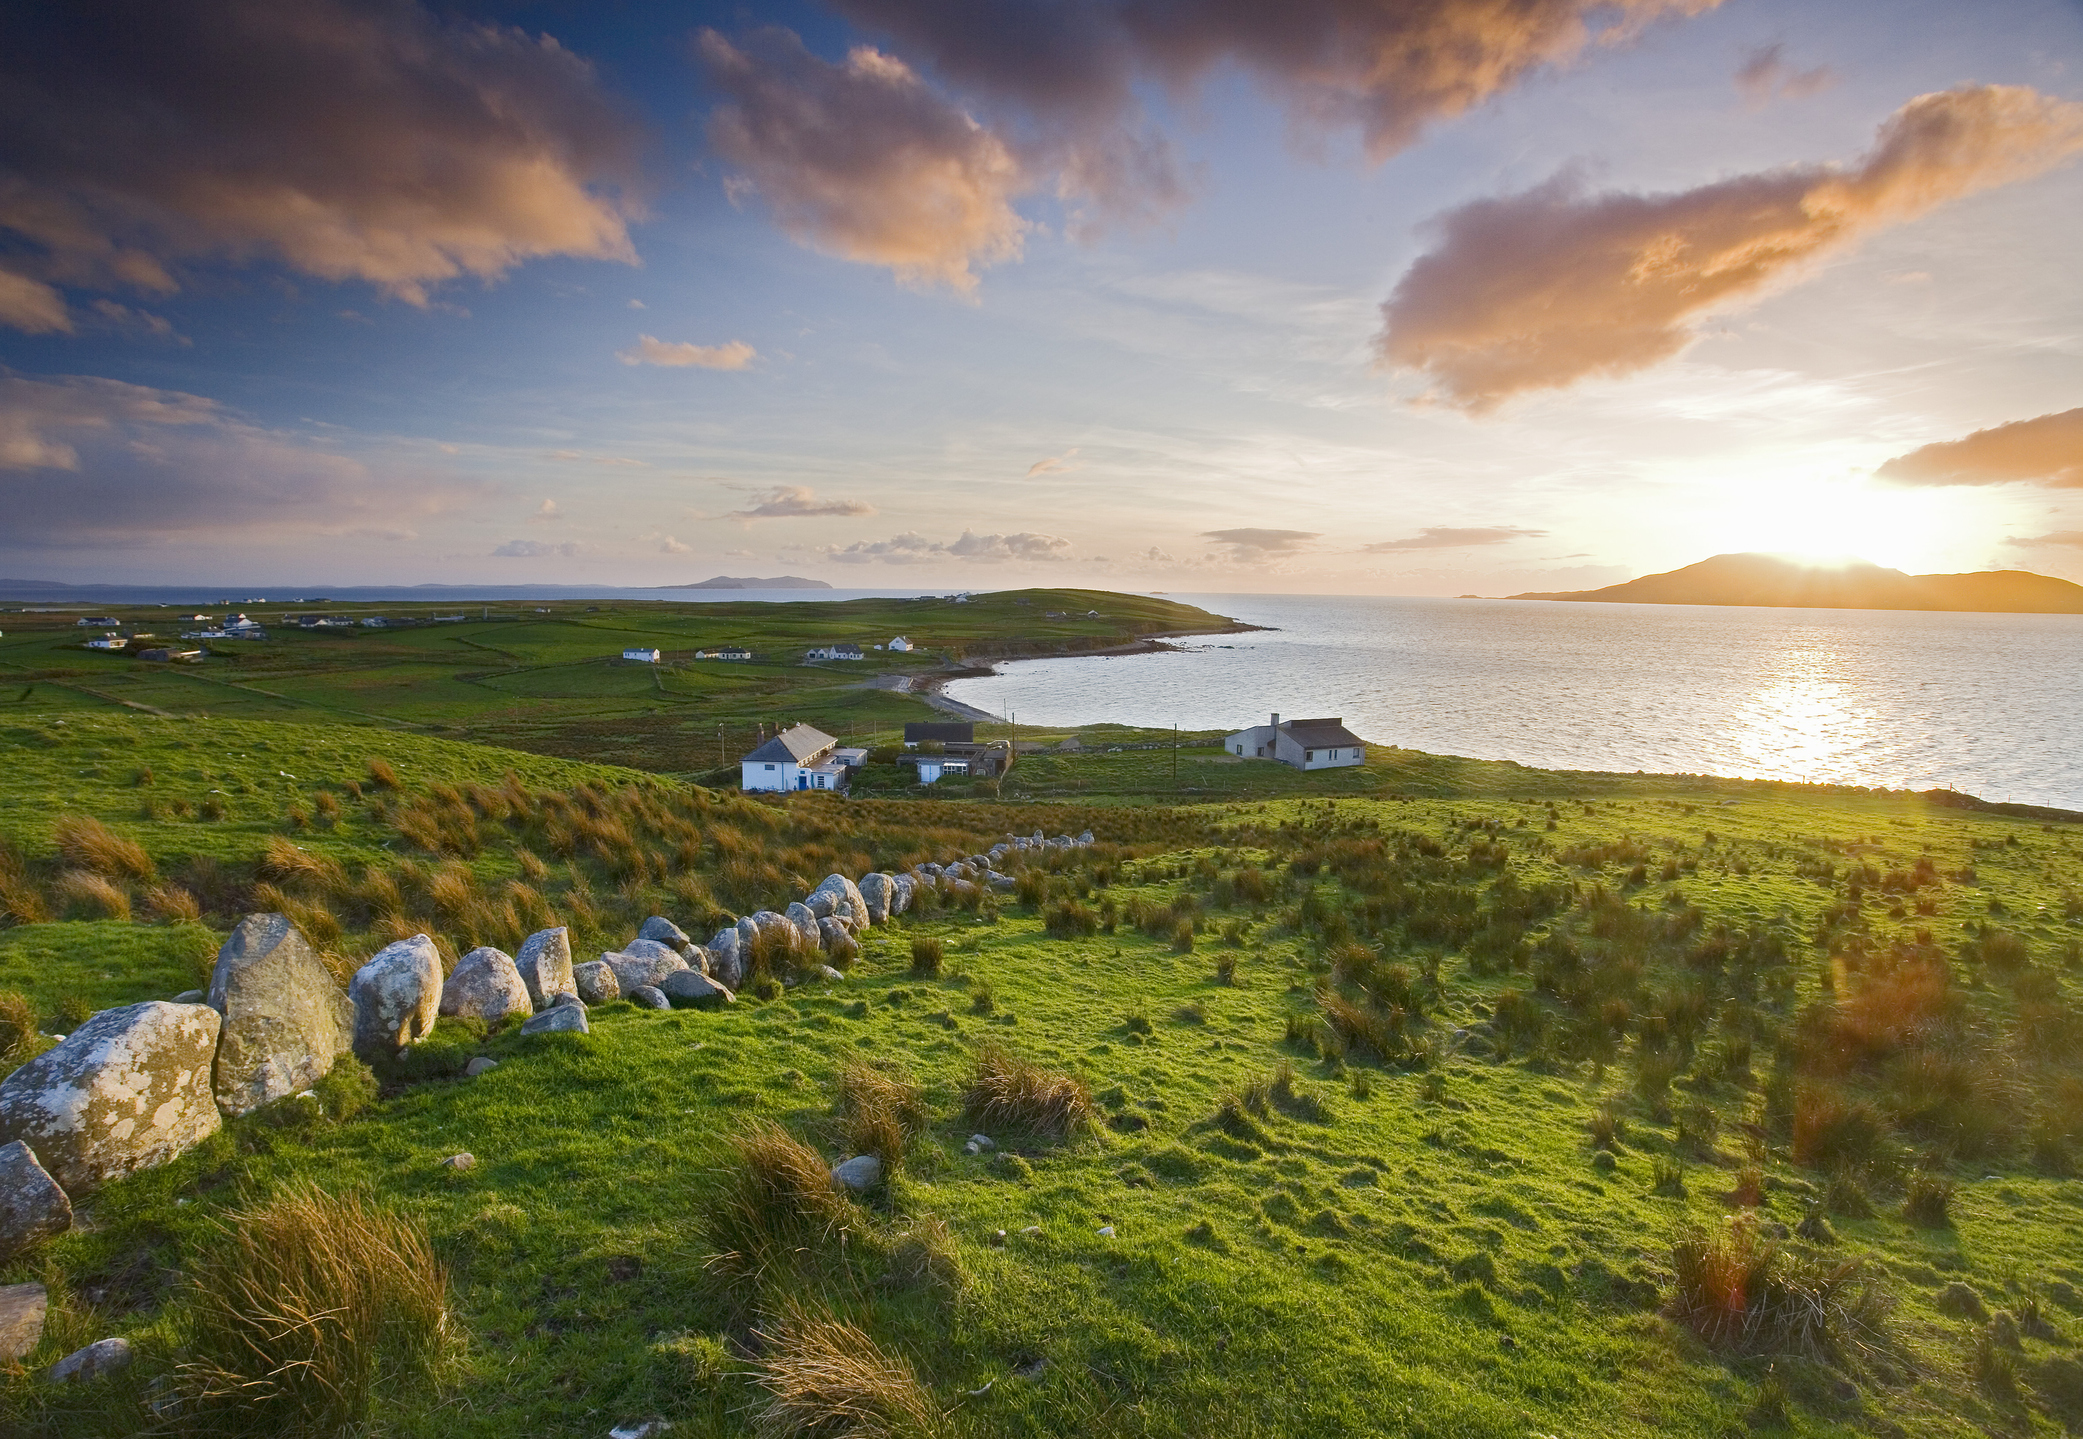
1433, 1097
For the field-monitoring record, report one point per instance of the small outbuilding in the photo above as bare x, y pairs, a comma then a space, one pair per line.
1303, 743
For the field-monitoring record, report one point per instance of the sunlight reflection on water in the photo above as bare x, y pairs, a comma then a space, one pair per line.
1987, 704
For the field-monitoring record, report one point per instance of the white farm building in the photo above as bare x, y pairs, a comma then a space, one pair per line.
800, 757
1303, 743
641, 656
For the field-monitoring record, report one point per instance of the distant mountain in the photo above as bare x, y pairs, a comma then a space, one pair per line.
1773, 582
731, 582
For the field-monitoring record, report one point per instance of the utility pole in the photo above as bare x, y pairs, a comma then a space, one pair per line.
719, 746
1175, 752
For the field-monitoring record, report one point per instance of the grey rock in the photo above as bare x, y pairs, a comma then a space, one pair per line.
465, 1160
687, 987
726, 964
846, 899
634, 968
932, 869
22, 1307
650, 996
103, 1356
804, 923
698, 958
284, 1015
663, 930
982, 1141
837, 940
567, 998
479, 1065
1085, 839
901, 886
32, 1205
775, 929
558, 1019
127, 1090
486, 984
597, 982
875, 893
1002, 883
545, 965
858, 1174
957, 870
397, 997
192, 996
828, 974
748, 938
822, 903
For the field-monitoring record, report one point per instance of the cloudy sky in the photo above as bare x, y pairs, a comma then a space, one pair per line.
1359, 296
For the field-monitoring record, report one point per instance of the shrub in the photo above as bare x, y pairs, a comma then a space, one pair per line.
927, 957
777, 1200
1744, 1294
88, 844
880, 1113
826, 1379
305, 1310
1928, 1200
1006, 1092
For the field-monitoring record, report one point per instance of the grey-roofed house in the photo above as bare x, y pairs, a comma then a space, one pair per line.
920, 732
800, 757
1303, 743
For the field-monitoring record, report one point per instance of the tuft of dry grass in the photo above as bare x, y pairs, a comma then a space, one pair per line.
306, 1309
1006, 1092
172, 902
381, 773
86, 895
925, 1257
928, 957
88, 844
827, 1379
880, 1113
777, 1201
1743, 1293
17, 1027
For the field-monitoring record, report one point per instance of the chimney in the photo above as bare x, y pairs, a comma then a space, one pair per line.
1276, 719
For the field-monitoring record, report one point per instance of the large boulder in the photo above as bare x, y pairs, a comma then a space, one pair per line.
748, 938
545, 965
486, 984
397, 997
559, 1019
804, 923
876, 894
726, 962
846, 897
687, 987
663, 930
838, 941
32, 1205
285, 1017
901, 886
128, 1090
645, 962
596, 982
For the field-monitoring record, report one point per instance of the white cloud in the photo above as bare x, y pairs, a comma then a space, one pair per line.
677, 355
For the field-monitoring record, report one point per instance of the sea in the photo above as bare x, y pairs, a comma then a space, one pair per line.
1987, 704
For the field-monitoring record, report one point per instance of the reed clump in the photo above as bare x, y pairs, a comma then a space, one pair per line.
1745, 1294
827, 1379
777, 1202
87, 844
880, 1113
1007, 1093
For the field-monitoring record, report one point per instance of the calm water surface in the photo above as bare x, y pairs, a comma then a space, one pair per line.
1988, 704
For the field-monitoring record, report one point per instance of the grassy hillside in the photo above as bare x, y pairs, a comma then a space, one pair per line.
549, 677
1421, 1115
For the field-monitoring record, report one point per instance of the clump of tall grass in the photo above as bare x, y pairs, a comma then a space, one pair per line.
1927, 1200
305, 1310
1742, 1293
381, 774
172, 902
86, 895
1006, 1092
827, 1379
925, 1257
879, 1113
1069, 919
88, 844
778, 1200
18, 1037
928, 957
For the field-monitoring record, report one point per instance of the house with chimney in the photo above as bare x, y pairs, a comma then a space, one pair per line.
801, 757
1304, 743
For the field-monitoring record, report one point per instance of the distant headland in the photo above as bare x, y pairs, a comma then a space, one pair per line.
1775, 582
732, 582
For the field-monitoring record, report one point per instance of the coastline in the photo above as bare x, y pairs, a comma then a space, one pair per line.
927, 684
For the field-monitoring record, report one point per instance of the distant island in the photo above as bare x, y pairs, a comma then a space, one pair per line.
1775, 582
733, 582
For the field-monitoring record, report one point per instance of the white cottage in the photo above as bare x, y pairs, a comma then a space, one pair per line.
901, 645
641, 657
1303, 743
800, 757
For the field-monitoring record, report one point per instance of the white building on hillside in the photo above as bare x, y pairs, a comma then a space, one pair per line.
835, 652
1303, 743
641, 657
901, 645
800, 757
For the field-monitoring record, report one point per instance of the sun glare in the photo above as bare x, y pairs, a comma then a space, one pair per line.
1821, 520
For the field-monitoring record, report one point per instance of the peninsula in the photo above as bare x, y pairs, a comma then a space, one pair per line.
1772, 581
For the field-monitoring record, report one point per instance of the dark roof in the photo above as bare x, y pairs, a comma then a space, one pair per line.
949, 732
794, 745
1321, 733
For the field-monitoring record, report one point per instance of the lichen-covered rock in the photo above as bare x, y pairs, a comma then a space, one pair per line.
636, 967
1085, 839
596, 982
875, 893
804, 923
838, 941
545, 965
127, 1090
284, 1015
663, 930
103, 1356
698, 959
726, 963
687, 987
32, 1205
397, 997
486, 984
560, 1018
649, 996
846, 897
22, 1307
821, 902
775, 929
901, 886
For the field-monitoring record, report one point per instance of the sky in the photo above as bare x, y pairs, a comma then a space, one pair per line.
1332, 296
